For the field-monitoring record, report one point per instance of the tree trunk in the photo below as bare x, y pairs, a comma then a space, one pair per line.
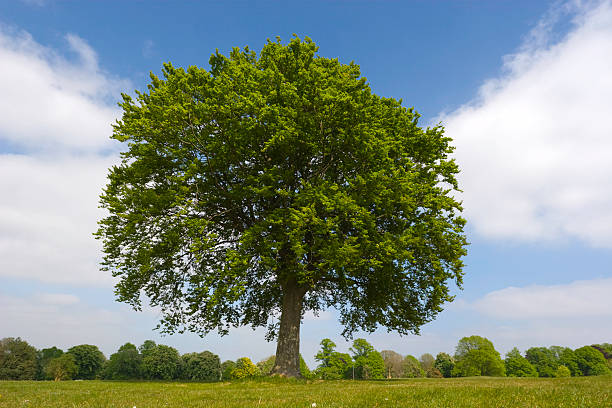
287, 361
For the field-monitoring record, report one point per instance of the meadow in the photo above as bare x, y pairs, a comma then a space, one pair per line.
591, 392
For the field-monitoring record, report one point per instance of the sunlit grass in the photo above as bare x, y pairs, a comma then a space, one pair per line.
591, 392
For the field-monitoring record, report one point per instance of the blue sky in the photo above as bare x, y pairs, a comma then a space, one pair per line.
522, 87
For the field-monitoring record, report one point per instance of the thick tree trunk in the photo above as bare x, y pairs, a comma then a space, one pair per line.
288, 346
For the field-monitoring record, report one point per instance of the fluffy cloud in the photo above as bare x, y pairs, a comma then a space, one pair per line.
48, 217
54, 143
583, 299
51, 103
534, 147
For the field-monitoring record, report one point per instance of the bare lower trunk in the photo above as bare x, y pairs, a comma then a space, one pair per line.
288, 346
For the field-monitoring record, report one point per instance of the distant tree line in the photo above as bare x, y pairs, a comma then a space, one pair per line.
474, 356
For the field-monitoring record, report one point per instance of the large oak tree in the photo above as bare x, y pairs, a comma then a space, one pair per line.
277, 183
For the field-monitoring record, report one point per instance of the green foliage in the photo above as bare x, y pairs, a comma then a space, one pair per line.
368, 363
544, 360
304, 370
332, 364
427, 361
563, 372
568, 359
147, 346
433, 372
245, 369
61, 368
266, 365
275, 172
393, 363
89, 361
204, 366
518, 366
445, 363
124, 364
605, 349
226, 369
42, 359
591, 361
161, 362
17, 360
476, 356
412, 368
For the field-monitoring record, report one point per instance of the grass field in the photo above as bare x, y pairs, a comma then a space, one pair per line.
588, 392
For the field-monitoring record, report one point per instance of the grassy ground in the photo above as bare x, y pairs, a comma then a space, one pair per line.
588, 392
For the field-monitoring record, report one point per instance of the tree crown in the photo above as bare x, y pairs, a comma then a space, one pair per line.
275, 170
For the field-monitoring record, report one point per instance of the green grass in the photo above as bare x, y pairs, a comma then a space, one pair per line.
588, 392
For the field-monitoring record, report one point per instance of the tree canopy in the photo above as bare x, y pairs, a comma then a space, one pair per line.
445, 363
412, 367
89, 361
591, 361
62, 368
160, 362
204, 366
368, 363
519, 366
476, 356
332, 364
17, 360
124, 364
274, 184
544, 360
393, 363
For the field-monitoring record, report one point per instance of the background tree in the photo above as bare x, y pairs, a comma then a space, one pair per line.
368, 362
124, 364
226, 369
393, 363
279, 183
61, 368
568, 359
427, 361
17, 360
544, 360
562, 372
412, 367
304, 370
518, 366
445, 363
266, 365
591, 361
245, 369
332, 364
476, 356
146, 346
161, 362
433, 372
88, 359
204, 366
606, 350
43, 357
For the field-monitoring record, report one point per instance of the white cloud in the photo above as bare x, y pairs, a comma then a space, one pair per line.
47, 218
61, 320
589, 298
534, 148
56, 119
51, 103
58, 299
571, 315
